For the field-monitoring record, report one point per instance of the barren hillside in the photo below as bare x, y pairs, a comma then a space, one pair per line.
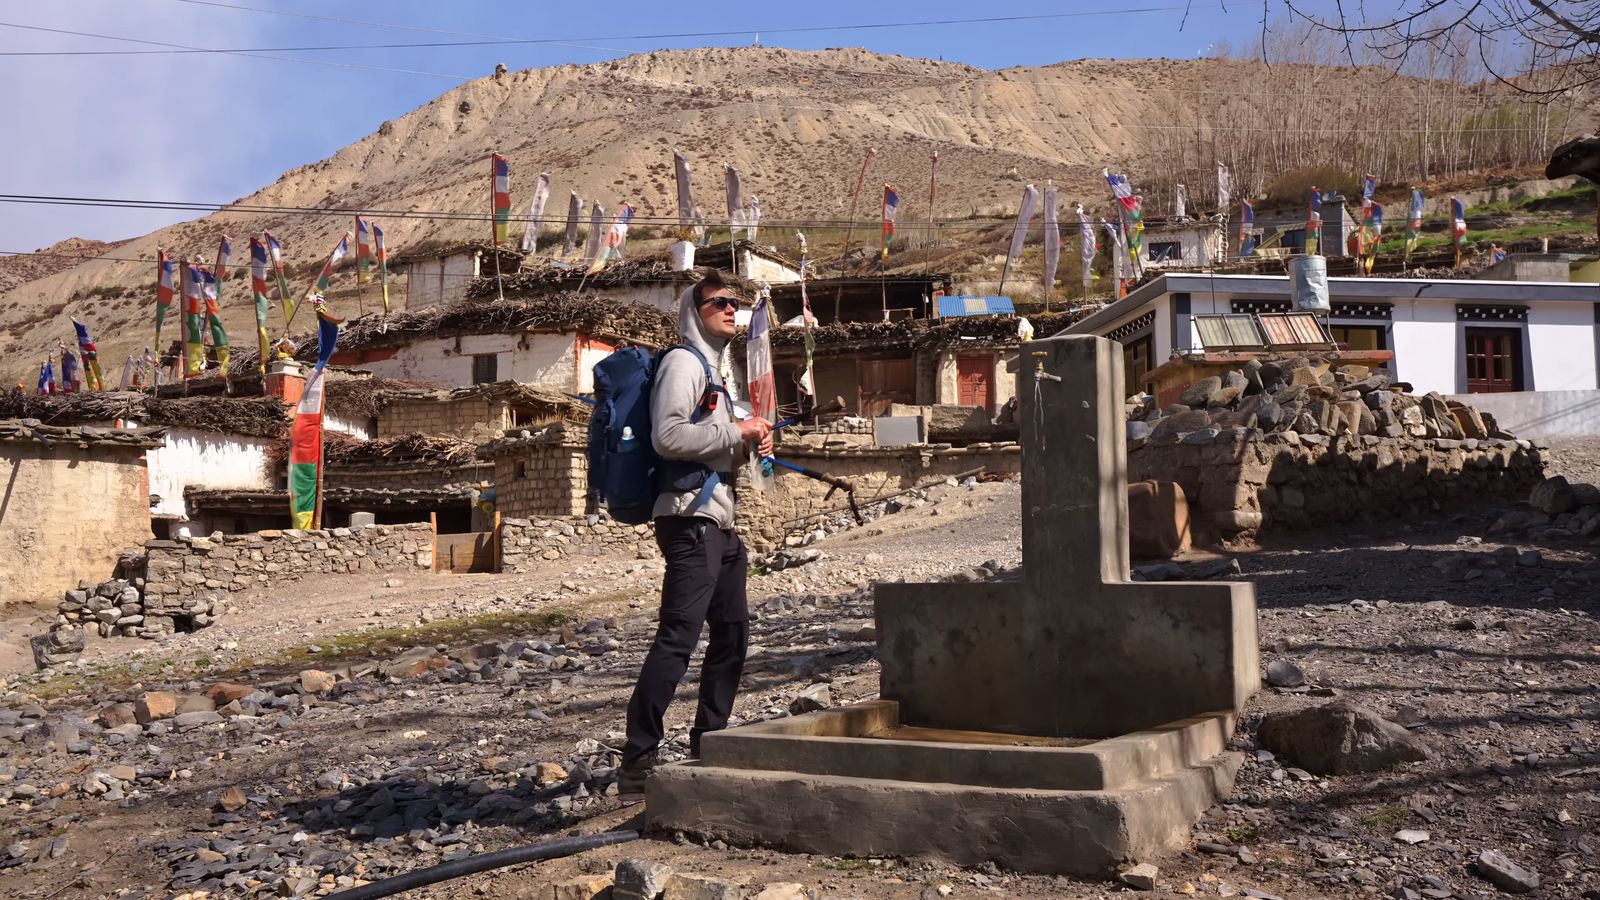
795, 122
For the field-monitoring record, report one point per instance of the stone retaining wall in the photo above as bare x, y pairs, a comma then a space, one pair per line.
182, 585
766, 517
1243, 483
524, 543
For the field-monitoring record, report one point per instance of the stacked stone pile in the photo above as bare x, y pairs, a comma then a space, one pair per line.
1312, 398
117, 607
1556, 508
1301, 442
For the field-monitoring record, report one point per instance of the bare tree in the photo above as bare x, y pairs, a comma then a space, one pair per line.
1514, 40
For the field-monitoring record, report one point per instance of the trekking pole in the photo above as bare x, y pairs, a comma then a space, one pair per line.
834, 482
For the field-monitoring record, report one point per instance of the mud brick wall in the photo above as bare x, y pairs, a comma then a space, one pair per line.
764, 515
1244, 484
454, 417
524, 543
541, 479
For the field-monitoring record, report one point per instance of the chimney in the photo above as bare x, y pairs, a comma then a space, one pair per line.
285, 380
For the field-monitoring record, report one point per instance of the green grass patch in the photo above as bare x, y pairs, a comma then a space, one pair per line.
1386, 818
1484, 238
1244, 834
845, 865
1562, 199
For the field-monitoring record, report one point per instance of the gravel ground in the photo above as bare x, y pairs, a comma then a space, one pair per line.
1491, 658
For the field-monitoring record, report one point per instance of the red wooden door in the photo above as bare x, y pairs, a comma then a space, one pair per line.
975, 381
1494, 360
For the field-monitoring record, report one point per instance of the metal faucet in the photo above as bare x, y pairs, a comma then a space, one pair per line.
1038, 367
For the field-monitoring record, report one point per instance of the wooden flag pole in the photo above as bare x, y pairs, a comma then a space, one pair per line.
850, 231
933, 223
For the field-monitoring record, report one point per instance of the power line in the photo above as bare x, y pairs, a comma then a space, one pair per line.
488, 40
184, 48
797, 29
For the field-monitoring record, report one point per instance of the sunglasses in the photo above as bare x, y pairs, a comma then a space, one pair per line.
722, 303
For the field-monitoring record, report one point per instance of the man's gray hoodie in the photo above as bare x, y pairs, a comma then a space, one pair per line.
714, 441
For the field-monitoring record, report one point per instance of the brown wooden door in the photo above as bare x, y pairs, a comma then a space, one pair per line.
975, 381
1494, 360
881, 382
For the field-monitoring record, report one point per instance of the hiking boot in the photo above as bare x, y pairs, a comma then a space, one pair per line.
632, 776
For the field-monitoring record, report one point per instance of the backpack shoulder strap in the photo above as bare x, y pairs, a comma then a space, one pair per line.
705, 366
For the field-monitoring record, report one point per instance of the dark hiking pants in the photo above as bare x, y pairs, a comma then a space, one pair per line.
704, 584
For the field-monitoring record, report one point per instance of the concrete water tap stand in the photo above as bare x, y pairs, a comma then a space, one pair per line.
1066, 723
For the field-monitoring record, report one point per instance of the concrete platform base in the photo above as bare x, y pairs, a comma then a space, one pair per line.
852, 782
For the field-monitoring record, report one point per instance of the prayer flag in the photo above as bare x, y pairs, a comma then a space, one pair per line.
1458, 225
1224, 187
1052, 241
1119, 256
363, 251
164, 290
258, 289
1180, 201
1247, 223
275, 251
680, 171
592, 245
224, 250
1368, 185
383, 264
128, 381
734, 186
194, 319
752, 217
541, 196
1314, 224
1374, 237
219, 337
891, 206
91, 357
758, 361
47, 377
1025, 213
616, 238
69, 370
1087, 247
325, 278
500, 197
1413, 224
574, 213
1496, 255
305, 436
1131, 214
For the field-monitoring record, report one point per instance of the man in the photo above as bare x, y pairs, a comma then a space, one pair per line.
701, 443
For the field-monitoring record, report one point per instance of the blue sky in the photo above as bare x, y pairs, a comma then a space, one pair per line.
215, 127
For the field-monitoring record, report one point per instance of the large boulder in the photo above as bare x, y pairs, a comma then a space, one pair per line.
1340, 738
1199, 394
1553, 496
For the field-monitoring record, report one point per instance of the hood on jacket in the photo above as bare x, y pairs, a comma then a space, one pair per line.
693, 331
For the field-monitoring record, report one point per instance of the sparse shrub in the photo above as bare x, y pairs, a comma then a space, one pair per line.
1294, 186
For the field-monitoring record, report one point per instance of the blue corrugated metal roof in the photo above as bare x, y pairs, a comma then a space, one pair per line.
976, 306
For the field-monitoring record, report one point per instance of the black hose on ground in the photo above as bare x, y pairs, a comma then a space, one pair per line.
483, 862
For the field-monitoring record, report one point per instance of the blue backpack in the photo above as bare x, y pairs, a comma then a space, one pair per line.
625, 472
